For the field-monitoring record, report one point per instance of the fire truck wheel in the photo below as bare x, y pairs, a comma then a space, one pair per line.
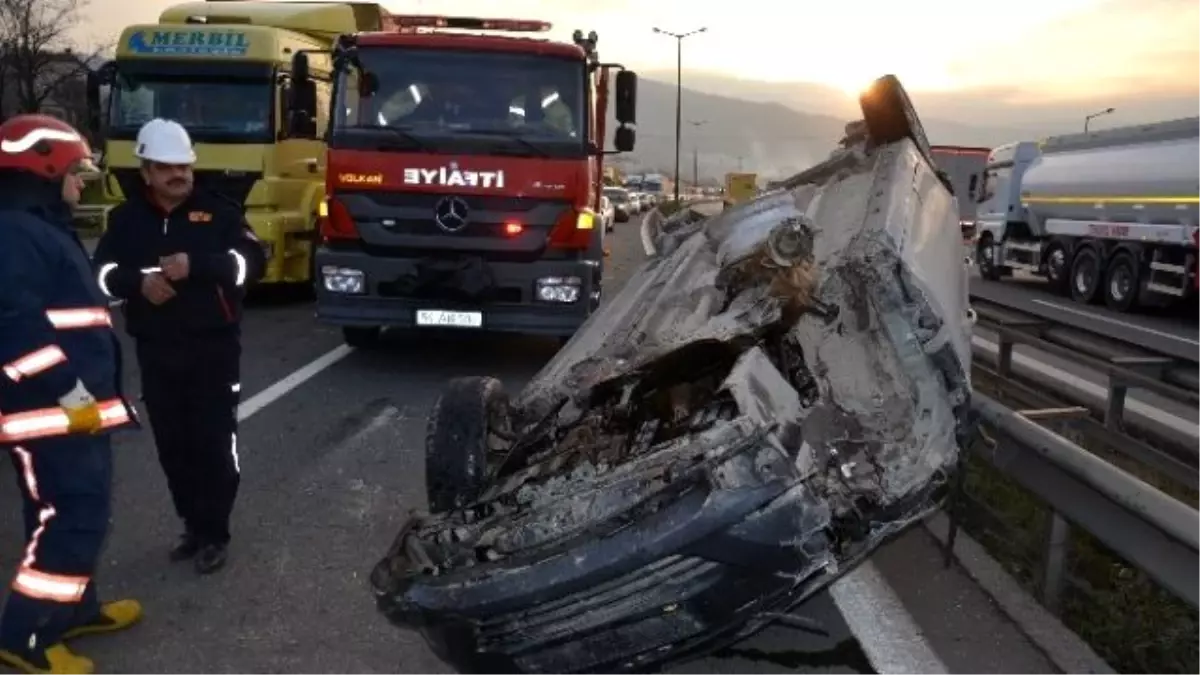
1087, 276
467, 424
361, 336
1122, 283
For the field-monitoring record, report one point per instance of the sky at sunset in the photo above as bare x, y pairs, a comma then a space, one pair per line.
1040, 51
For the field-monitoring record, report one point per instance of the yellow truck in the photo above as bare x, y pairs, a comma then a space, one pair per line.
739, 187
222, 69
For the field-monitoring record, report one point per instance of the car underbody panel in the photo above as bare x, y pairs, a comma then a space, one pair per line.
775, 393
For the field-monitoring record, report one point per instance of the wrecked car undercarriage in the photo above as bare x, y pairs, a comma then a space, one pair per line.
775, 393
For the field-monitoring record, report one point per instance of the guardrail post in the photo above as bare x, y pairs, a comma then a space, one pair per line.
1004, 352
1115, 412
1058, 538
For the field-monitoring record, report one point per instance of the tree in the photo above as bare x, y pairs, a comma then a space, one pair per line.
36, 53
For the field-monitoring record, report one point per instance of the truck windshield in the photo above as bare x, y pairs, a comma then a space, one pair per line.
213, 109
465, 101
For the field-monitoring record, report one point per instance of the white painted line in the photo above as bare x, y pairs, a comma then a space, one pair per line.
278, 390
886, 631
1115, 322
1168, 420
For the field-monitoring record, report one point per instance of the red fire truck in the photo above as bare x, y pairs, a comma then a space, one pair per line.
464, 176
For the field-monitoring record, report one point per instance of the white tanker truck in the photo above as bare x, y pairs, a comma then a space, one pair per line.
1106, 215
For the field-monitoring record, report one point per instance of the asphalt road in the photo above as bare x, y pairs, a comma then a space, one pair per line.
331, 455
1172, 332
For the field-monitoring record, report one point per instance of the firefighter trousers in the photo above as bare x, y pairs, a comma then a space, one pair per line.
191, 390
66, 487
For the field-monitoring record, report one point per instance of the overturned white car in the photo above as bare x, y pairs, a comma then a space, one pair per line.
775, 393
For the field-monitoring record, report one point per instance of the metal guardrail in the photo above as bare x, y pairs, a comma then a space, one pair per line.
1146, 527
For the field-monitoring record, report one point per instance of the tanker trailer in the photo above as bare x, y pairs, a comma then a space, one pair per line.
1109, 215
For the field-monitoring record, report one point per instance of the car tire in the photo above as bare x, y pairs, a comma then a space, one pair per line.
458, 440
890, 115
362, 337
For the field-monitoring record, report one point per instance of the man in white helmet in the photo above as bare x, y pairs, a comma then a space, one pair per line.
181, 258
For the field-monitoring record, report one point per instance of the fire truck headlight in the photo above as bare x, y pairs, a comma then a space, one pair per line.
343, 280
564, 290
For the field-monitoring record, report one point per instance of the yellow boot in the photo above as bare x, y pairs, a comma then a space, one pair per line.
114, 616
55, 660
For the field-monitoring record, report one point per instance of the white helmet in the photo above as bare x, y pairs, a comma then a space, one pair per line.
164, 141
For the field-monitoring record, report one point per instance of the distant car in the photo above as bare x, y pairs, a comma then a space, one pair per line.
623, 205
607, 213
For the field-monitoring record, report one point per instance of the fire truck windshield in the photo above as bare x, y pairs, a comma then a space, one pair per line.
214, 109
465, 101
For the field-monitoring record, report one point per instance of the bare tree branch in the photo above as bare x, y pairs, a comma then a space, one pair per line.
36, 53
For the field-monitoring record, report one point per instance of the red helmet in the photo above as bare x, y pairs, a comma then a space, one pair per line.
43, 145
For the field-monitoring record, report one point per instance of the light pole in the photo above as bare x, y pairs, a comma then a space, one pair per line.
696, 124
678, 91
1088, 120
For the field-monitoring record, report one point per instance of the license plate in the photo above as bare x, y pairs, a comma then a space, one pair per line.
441, 317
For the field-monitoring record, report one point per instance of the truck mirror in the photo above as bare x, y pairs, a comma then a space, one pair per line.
93, 102
301, 120
368, 84
624, 139
300, 69
971, 187
625, 95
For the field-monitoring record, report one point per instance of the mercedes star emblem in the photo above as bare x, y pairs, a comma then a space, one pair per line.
450, 214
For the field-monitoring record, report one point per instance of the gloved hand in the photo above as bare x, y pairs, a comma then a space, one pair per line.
83, 413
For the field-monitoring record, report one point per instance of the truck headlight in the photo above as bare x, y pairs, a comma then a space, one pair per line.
559, 289
343, 280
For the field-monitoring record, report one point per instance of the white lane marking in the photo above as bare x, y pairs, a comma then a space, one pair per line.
1115, 322
278, 390
886, 631
1091, 388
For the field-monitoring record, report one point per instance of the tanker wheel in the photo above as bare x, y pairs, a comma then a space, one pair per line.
1058, 273
1087, 276
1122, 283
890, 115
468, 423
985, 259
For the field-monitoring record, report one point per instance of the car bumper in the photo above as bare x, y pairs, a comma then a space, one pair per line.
394, 289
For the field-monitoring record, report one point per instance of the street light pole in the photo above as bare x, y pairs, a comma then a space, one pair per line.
696, 154
678, 92
1088, 120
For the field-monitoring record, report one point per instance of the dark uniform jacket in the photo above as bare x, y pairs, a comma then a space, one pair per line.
224, 256
55, 327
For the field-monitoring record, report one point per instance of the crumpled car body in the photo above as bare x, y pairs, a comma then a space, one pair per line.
775, 393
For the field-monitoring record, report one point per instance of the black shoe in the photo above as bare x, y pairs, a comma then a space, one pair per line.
186, 548
210, 558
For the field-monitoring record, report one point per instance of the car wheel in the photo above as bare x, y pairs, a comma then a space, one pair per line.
361, 336
1087, 276
1122, 283
469, 422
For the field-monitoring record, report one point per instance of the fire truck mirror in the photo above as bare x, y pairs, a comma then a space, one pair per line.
624, 138
368, 84
625, 104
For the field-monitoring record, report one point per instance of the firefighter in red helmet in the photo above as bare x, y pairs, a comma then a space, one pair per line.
60, 398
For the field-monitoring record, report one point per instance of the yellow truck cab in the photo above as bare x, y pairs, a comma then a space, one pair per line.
222, 69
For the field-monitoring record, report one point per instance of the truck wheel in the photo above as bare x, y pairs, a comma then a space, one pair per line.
361, 336
1122, 283
890, 115
1087, 275
459, 439
984, 257
1057, 271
